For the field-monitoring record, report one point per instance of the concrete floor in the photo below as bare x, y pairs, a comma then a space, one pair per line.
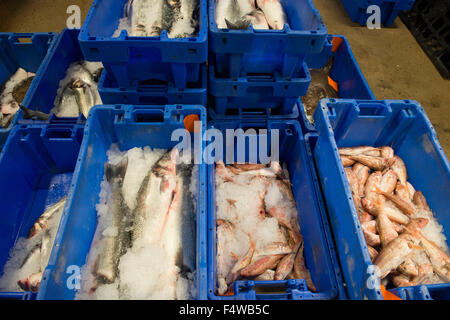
392, 61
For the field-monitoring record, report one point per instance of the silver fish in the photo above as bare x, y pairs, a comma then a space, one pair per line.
114, 246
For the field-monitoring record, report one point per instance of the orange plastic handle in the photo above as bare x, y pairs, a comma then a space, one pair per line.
189, 122
333, 84
336, 42
387, 295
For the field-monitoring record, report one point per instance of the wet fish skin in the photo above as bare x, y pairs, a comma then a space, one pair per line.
372, 239
354, 186
401, 280
84, 96
274, 12
375, 163
394, 254
257, 20
300, 271
346, 161
388, 182
42, 222
439, 259
370, 226
386, 152
399, 168
362, 174
31, 283
403, 192
403, 205
261, 265
114, 246
420, 201
243, 262
373, 181
394, 214
361, 150
156, 194
268, 275
408, 268
385, 229
372, 252
285, 266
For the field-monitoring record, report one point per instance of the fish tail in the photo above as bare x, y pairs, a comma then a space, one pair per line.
117, 170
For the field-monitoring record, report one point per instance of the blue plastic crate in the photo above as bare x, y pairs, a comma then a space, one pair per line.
131, 59
128, 126
401, 124
231, 96
246, 52
36, 168
24, 50
318, 248
154, 94
345, 71
43, 90
357, 9
241, 113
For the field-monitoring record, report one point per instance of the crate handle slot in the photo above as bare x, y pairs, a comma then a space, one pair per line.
148, 116
59, 133
23, 40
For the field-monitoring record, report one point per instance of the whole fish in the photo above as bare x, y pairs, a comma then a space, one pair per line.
42, 222
155, 197
274, 12
374, 163
362, 150
261, 265
84, 96
116, 244
300, 271
319, 89
243, 262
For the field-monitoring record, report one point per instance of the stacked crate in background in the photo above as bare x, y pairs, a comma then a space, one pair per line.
389, 10
145, 70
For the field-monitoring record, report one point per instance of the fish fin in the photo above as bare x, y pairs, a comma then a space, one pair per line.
239, 25
117, 170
